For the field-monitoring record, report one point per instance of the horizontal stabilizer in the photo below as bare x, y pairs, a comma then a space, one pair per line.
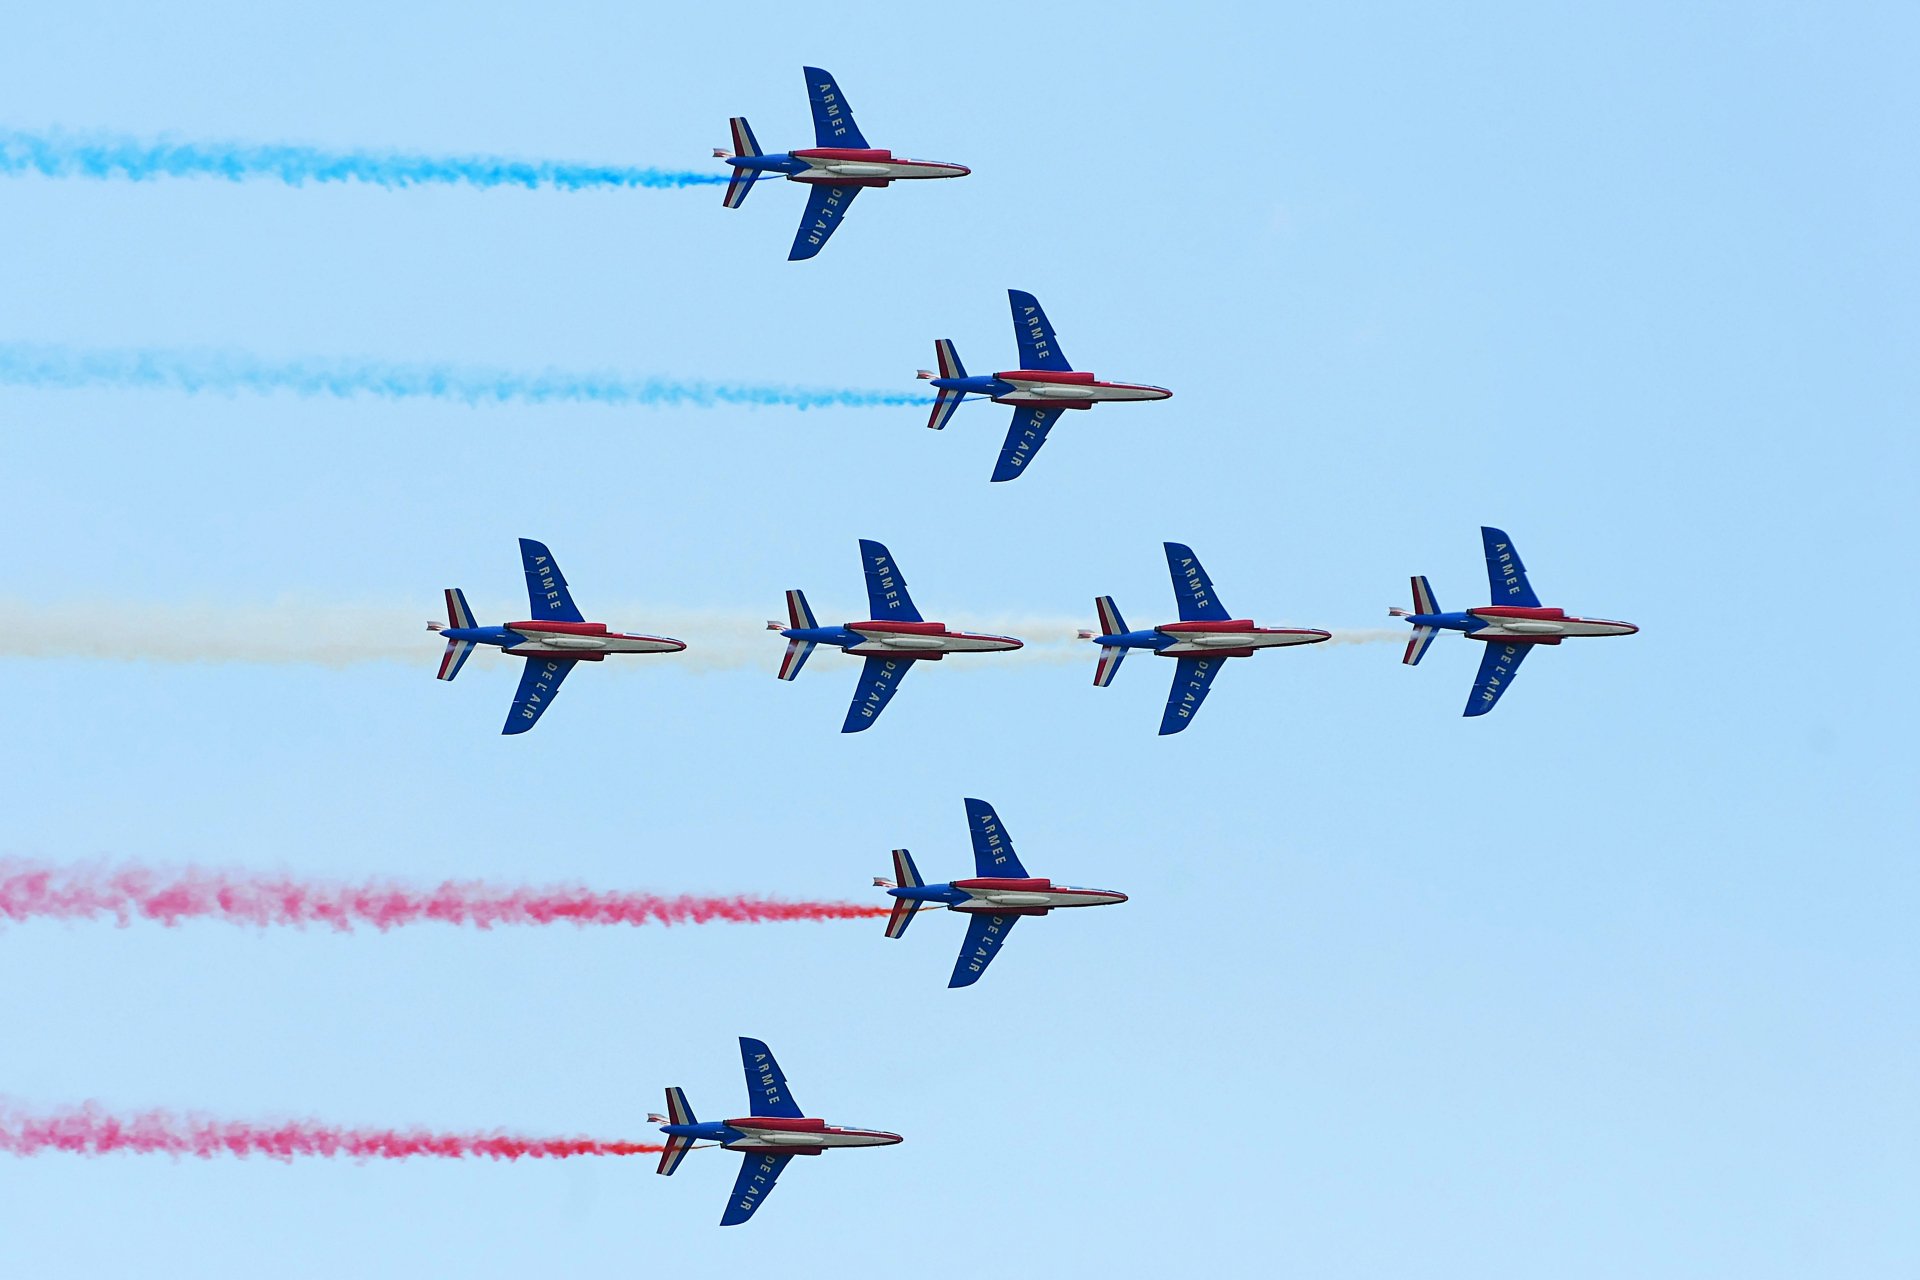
944, 405
795, 658
1417, 645
674, 1152
1111, 623
1109, 665
454, 658
799, 612
458, 614
901, 917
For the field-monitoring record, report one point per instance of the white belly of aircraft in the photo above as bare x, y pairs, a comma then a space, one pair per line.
878, 646
567, 645
883, 169
777, 1139
1041, 898
1552, 627
1196, 642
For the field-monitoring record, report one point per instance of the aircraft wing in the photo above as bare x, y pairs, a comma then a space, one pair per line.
985, 933
547, 594
767, 1093
1506, 576
1192, 588
758, 1172
878, 679
539, 682
1024, 438
1497, 666
1191, 680
833, 124
993, 853
1033, 336
825, 207
887, 598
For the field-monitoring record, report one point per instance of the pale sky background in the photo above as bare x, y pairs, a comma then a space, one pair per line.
1618, 980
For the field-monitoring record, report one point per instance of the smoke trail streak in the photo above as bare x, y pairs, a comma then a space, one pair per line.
57, 155
41, 891
90, 1130
34, 365
295, 632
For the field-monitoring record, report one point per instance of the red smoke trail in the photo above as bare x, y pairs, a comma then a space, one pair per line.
87, 1130
30, 891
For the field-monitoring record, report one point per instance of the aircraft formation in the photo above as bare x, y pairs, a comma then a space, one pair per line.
555, 637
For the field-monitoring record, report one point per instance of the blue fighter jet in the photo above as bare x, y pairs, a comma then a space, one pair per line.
772, 1133
551, 642
1510, 627
1043, 387
998, 895
891, 641
839, 164
1202, 640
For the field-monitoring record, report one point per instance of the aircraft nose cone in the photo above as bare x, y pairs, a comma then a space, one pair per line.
892, 1139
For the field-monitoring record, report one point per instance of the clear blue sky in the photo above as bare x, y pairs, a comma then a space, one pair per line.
1618, 980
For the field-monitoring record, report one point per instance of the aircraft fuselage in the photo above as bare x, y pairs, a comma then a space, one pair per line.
1034, 896
1514, 624
585, 641
847, 166
1235, 639
901, 639
780, 1134
1053, 390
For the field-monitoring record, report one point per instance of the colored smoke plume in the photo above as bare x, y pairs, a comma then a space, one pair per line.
124, 893
36, 365
57, 155
90, 1130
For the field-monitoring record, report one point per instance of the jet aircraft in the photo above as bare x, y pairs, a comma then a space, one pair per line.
1510, 627
773, 1133
998, 895
1039, 390
838, 165
551, 642
894, 638
1202, 640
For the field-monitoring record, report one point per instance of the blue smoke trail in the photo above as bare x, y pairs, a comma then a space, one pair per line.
35, 365
57, 156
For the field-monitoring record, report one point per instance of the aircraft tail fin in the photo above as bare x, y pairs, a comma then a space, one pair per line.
947, 361
743, 179
799, 617
678, 1112
908, 877
458, 615
1111, 624
1423, 603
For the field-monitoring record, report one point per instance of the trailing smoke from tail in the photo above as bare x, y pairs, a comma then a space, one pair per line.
106, 156
34, 365
41, 891
90, 1130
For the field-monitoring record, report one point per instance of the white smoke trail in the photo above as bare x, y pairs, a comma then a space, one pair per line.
300, 633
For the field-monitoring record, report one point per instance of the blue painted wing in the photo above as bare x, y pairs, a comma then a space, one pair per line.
887, 598
547, 594
1192, 588
766, 1085
1506, 576
833, 124
985, 933
993, 853
1033, 336
758, 1172
1191, 680
825, 207
878, 679
1497, 666
539, 682
1024, 438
